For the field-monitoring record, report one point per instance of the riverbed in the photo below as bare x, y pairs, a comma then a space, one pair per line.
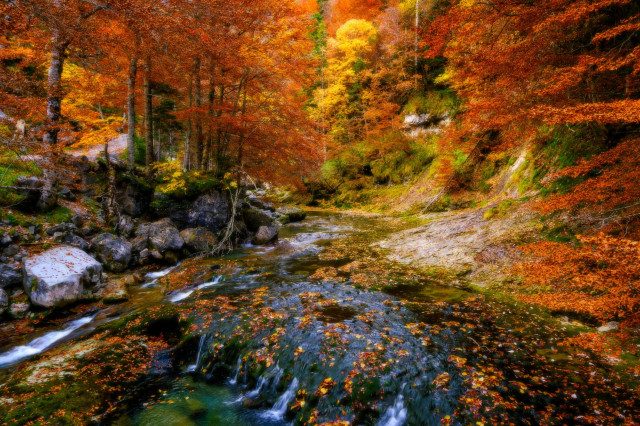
322, 327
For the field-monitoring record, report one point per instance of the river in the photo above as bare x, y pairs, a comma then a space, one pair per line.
321, 327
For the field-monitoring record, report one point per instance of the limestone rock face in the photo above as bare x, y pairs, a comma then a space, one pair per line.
60, 276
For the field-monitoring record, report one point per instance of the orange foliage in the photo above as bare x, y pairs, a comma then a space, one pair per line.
601, 277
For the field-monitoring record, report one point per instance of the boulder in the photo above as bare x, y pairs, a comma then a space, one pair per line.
291, 214
115, 291
75, 241
209, 211
39, 194
266, 234
125, 226
133, 198
255, 219
199, 239
10, 276
114, 252
62, 228
164, 239
260, 204
60, 276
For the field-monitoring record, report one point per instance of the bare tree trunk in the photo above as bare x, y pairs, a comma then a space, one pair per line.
131, 112
148, 114
54, 87
187, 137
198, 101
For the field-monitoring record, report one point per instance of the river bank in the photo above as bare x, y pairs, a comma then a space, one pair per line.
318, 327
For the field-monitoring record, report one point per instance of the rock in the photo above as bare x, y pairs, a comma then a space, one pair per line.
139, 244
164, 236
60, 276
10, 276
11, 250
255, 219
78, 221
115, 292
62, 228
260, 204
209, 211
66, 194
295, 214
6, 239
38, 194
75, 241
144, 257
19, 310
4, 300
161, 238
125, 226
265, 234
114, 252
199, 239
610, 326
133, 198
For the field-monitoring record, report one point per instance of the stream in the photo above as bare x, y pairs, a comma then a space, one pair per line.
320, 327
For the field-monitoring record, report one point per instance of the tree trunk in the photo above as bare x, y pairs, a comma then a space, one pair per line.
198, 101
187, 136
131, 112
148, 114
54, 87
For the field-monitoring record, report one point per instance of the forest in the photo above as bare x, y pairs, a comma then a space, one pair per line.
332, 212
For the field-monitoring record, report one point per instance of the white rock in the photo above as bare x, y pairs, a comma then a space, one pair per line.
60, 276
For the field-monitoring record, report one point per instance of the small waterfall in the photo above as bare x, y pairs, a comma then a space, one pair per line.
154, 276
177, 297
396, 415
280, 407
234, 381
40, 344
194, 367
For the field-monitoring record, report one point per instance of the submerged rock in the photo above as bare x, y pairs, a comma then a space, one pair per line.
291, 214
255, 218
114, 252
266, 234
60, 276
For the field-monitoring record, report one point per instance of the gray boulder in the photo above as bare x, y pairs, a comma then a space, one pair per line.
291, 214
133, 199
125, 226
60, 276
199, 239
114, 252
39, 194
209, 211
75, 241
163, 238
265, 235
255, 218
62, 228
10, 276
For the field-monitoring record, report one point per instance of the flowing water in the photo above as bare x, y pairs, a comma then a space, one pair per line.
320, 327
